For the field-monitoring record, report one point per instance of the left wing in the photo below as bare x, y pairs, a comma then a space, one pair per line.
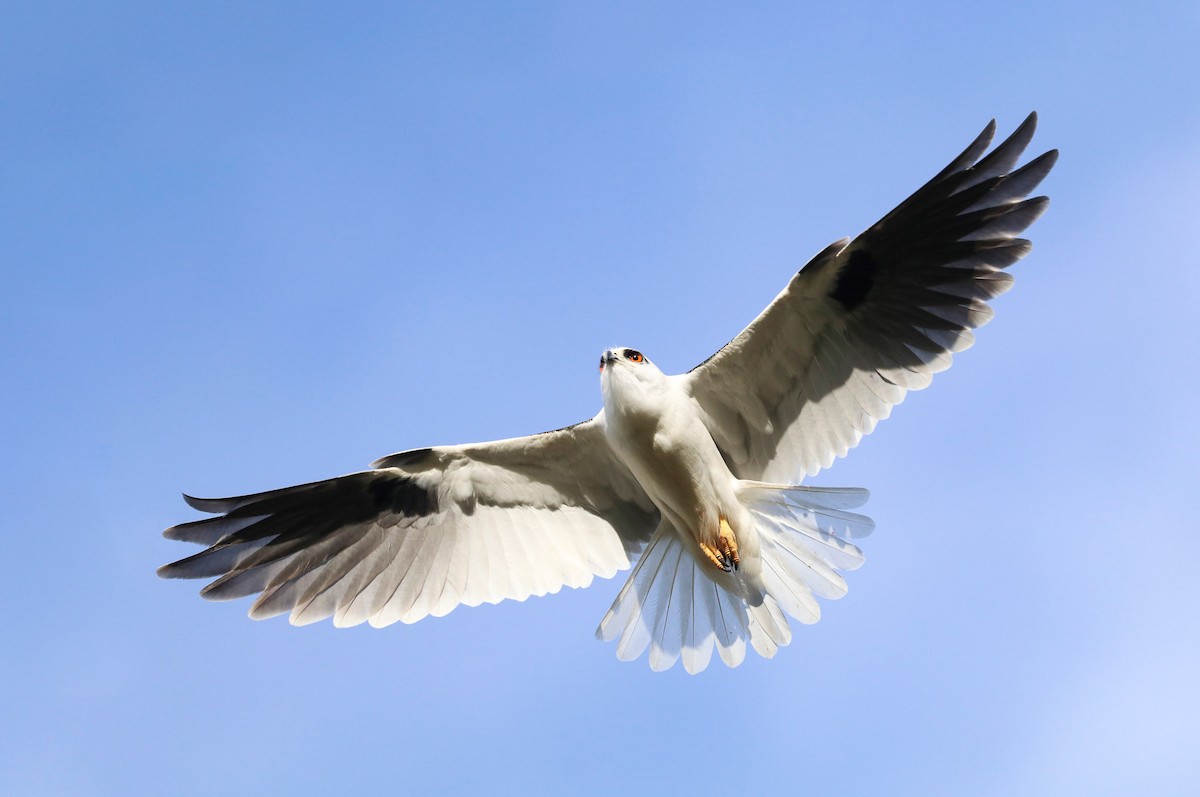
426, 531
870, 319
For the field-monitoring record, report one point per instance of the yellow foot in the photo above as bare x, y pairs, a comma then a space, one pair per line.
723, 555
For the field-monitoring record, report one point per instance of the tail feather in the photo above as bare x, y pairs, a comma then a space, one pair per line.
811, 562
792, 592
769, 629
626, 618
698, 644
673, 610
679, 608
822, 507
729, 623
671, 606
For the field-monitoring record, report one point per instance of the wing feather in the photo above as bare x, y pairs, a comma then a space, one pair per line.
868, 320
426, 531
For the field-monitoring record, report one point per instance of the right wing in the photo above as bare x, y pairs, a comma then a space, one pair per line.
426, 531
868, 320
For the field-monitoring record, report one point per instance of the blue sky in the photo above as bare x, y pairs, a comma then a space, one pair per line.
249, 245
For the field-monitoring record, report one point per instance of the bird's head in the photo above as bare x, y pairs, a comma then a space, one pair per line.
623, 368
623, 356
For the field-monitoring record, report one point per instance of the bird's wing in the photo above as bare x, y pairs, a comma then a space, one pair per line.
425, 531
866, 321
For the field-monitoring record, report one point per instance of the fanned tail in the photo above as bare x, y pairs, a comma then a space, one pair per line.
671, 606
803, 532
676, 606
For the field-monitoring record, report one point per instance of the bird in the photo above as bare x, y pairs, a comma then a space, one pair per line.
693, 480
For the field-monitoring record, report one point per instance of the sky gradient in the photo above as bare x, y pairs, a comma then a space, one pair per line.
251, 245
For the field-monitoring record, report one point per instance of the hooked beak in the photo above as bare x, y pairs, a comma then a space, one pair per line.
608, 358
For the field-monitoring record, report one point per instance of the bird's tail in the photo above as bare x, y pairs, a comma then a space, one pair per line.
678, 605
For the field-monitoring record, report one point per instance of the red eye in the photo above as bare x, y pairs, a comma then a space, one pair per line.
635, 356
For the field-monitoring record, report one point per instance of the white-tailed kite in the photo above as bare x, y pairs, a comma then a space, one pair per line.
694, 476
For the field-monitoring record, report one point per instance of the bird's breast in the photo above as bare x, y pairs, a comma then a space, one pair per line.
667, 447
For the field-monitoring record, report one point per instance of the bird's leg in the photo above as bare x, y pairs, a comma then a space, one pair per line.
728, 544
723, 555
714, 556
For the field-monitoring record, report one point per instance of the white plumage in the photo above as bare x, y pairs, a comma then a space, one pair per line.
696, 474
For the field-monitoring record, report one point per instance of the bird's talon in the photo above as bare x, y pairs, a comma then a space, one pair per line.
723, 555
715, 557
729, 546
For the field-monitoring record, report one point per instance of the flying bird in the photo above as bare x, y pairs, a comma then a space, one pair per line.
694, 477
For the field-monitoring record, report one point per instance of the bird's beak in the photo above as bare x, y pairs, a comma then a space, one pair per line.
608, 358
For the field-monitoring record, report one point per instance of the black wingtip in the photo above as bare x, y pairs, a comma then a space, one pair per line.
972, 153
983, 140
1025, 130
211, 505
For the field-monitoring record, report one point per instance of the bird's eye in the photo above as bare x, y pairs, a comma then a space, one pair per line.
633, 356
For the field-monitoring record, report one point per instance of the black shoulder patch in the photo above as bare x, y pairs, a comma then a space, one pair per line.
402, 495
855, 280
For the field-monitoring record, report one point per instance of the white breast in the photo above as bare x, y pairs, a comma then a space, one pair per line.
656, 430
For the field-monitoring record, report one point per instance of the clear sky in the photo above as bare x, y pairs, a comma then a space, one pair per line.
252, 244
